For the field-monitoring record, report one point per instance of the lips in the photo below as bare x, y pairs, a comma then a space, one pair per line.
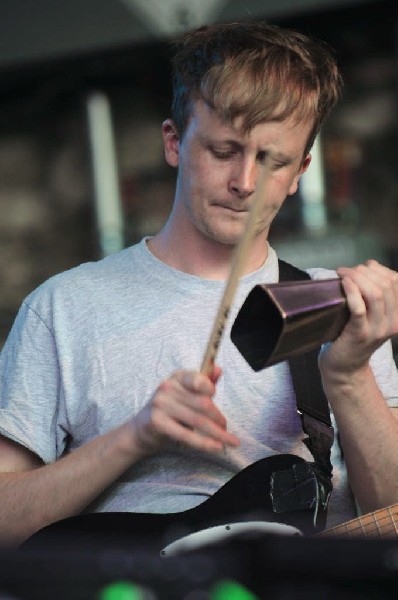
231, 207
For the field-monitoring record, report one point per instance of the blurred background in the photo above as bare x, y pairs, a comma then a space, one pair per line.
84, 88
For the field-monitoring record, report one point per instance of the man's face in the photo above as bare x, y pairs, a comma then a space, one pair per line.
219, 170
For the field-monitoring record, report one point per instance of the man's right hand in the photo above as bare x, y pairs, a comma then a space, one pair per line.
182, 409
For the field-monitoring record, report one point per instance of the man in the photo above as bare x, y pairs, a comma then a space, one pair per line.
103, 405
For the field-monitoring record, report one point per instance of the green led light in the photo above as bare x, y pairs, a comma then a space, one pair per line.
230, 590
121, 590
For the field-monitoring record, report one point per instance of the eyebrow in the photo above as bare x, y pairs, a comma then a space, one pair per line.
225, 142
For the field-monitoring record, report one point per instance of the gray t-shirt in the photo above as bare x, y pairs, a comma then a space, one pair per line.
89, 347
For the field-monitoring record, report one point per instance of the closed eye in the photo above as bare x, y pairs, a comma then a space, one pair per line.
262, 156
222, 154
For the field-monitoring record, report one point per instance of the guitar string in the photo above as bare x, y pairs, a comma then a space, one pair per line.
365, 529
393, 521
369, 524
356, 525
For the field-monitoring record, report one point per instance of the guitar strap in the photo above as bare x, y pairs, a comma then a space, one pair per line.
312, 404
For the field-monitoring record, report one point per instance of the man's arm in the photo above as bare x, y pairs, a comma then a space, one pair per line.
369, 436
33, 495
368, 427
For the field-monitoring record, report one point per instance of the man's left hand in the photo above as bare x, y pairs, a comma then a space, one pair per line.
372, 297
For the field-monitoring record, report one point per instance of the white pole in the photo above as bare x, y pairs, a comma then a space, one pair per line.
312, 188
105, 174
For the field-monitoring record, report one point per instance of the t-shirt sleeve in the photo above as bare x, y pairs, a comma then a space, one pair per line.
30, 387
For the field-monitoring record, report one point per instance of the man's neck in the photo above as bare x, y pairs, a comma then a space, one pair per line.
203, 257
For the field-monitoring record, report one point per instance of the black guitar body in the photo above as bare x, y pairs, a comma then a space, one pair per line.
248, 496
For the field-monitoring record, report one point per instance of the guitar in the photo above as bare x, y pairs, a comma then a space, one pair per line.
252, 502
279, 489
382, 523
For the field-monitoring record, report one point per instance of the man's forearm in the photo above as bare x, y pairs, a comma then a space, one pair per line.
369, 437
32, 499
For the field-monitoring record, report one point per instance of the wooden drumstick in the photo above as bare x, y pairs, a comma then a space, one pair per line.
237, 265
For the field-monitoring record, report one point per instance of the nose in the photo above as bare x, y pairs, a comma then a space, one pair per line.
243, 178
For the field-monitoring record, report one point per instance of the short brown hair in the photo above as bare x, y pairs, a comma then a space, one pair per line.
255, 70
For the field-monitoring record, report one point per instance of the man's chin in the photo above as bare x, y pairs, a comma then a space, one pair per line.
225, 238
231, 236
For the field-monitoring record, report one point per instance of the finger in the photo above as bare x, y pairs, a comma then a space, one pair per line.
355, 300
374, 272
201, 421
387, 279
215, 374
378, 286
195, 381
172, 396
206, 436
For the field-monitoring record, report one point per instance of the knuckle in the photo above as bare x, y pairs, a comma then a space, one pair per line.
385, 284
198, 382
194, 381
188, 379
177, 375
160, 399
372, 263
378, 294
361, 269
165, 386
205, 403
199, 421
157, 421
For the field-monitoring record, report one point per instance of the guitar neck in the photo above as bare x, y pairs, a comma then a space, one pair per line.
382, 523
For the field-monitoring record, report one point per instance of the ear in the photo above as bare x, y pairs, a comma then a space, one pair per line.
171, 142
305, 164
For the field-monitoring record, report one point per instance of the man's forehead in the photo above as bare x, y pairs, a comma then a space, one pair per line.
238, 125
